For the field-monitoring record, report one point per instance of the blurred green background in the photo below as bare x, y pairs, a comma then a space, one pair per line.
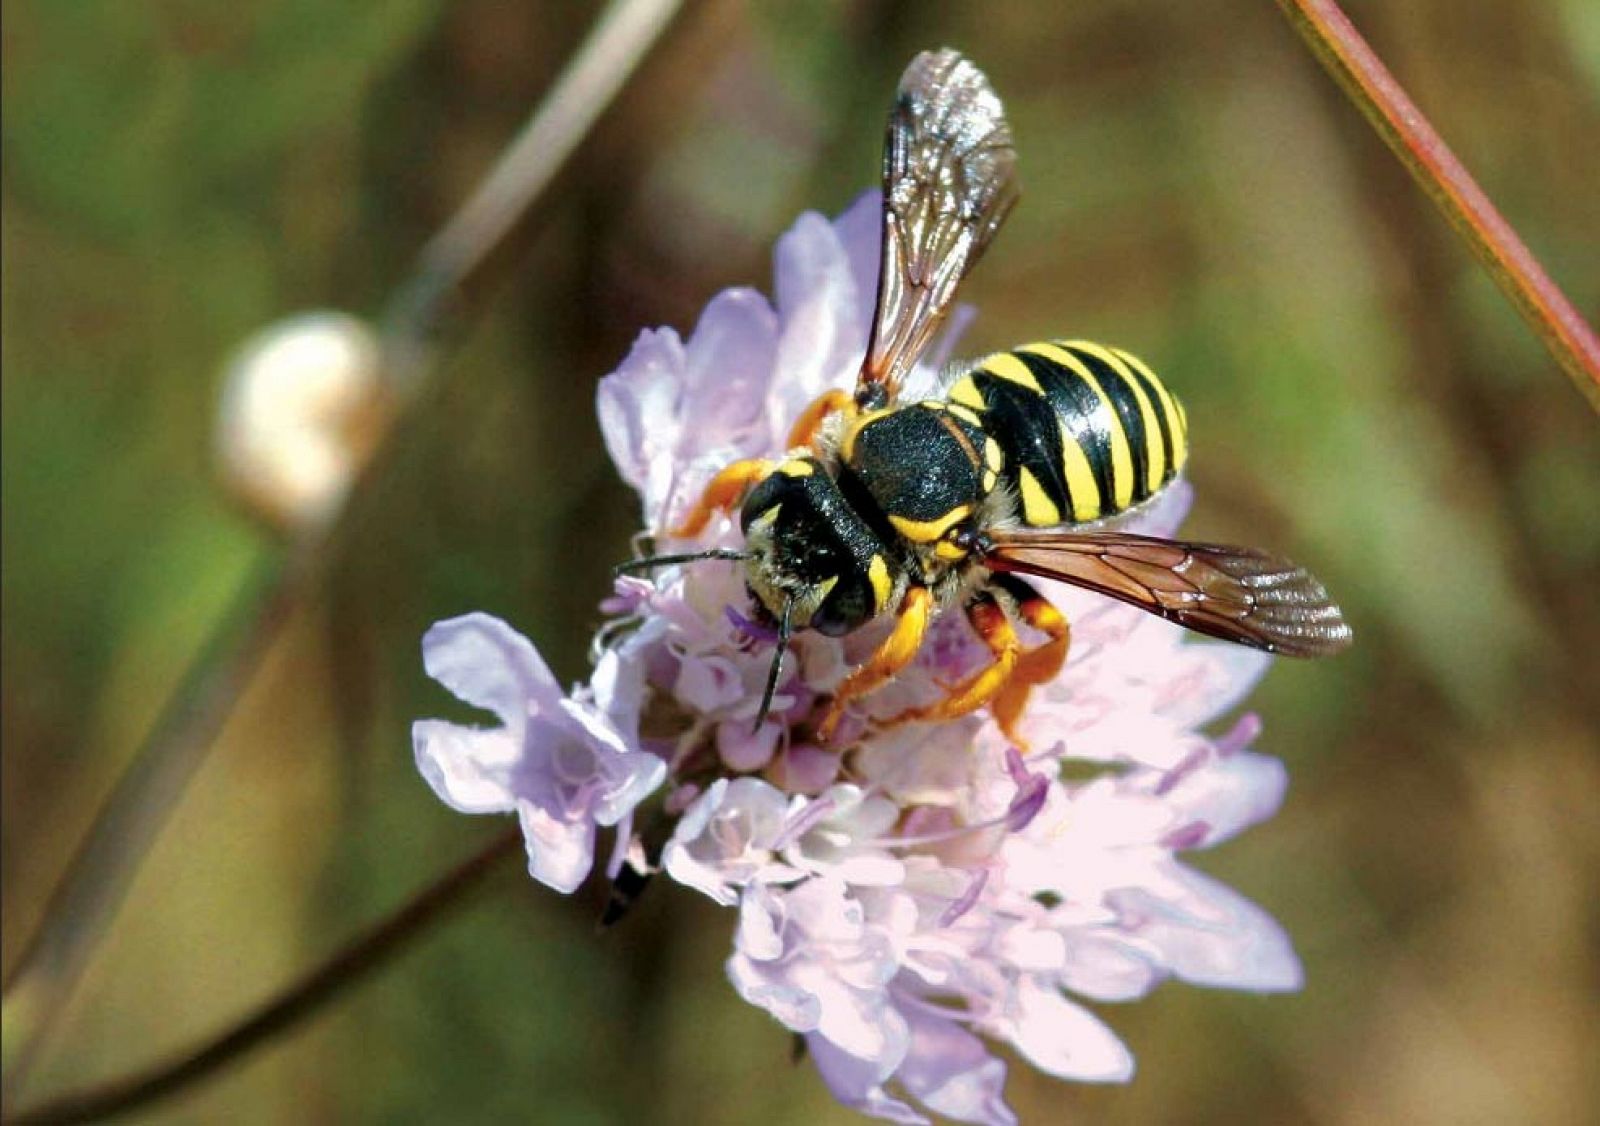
177, 175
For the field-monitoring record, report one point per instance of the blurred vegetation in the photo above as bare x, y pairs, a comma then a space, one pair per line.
176, 175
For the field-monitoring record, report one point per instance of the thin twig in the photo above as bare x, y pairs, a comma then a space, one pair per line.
1363, 77
449, 264
346, 969
459, 259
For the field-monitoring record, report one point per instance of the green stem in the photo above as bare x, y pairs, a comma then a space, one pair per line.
300, 1001
1368, 83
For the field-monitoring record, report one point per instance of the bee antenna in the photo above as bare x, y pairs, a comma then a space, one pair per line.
777, 663
650, 562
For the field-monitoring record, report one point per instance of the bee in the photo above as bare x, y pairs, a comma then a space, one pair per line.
1022, 467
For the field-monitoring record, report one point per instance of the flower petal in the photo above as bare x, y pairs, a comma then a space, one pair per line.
857, 1083
724, 840
793, 1007
490, 665
1216, 677
1106, 967
859, 229
824, 331
635, 404
1208, 933
805, 768
619, 692
633, 777
708, 684
760, 916
1229, 795
743, 750
862, 1023
623, 778
560, 853
470, 769
1066, 1039
673, 413
725, 379
950, 1071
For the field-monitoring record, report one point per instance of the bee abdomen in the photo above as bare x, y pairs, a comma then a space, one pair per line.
1087, 431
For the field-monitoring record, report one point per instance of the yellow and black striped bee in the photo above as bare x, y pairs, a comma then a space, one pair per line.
1021, 466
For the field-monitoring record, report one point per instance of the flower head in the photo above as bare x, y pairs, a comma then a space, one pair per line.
905, 894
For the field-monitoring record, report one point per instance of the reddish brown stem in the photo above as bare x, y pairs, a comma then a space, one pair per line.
1368, 83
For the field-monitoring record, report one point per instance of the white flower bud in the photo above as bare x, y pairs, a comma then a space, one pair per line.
303, 404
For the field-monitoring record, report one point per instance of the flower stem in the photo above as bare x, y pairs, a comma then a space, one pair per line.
454, 267
1368, 83
347, 968
454, 263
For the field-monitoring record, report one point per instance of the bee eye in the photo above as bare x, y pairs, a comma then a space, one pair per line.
828, 621
846, 608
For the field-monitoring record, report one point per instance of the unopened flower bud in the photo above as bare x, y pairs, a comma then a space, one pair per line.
303, 404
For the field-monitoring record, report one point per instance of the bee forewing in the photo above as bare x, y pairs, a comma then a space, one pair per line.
948, 183
1236, 593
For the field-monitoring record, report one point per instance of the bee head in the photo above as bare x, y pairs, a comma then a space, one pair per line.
811, 561
809, 555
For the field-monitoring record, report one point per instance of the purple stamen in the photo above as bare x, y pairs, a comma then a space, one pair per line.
1032, 790
1240, 735
1191, 835
963, 903
756, 631
803, 822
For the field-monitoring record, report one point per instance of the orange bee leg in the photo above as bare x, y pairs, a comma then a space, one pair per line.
894, 654
807, 426
989, 619
1038, 665
722, 494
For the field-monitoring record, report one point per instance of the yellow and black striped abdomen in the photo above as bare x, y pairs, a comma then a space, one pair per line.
1087, 431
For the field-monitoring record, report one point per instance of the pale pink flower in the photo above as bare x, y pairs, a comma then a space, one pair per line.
558, 763
934, 890
728, 840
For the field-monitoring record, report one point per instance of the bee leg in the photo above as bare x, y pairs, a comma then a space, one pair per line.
894, 654
807, 426
988, 617
722, 494
1038, 665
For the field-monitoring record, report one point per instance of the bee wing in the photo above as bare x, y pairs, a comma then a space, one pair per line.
1235, 593
948, 183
